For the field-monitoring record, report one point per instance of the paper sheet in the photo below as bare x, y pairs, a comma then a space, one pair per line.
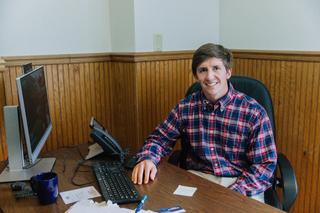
185, 190
88, 206
94, 150
79, 194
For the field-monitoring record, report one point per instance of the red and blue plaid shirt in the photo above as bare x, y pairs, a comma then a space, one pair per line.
231, 138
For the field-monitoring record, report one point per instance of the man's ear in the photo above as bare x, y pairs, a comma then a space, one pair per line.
195, 76
229, 73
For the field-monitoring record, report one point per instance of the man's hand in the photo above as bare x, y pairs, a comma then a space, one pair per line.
144, 171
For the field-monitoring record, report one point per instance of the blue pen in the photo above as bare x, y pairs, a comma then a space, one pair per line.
172, 209
140, 206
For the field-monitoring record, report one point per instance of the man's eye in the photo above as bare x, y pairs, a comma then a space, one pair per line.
202, 70
215, 68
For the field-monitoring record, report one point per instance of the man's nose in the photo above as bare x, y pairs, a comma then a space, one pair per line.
210, 74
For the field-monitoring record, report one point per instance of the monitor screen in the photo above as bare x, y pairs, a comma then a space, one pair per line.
34, 109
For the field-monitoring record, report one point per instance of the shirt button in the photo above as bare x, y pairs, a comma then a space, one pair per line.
216, 165
212, 149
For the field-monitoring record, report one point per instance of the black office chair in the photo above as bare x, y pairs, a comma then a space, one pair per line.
284, 189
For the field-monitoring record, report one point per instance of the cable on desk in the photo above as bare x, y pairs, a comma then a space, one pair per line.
72, 147
80, 163
64, 164
64, 157
83, 157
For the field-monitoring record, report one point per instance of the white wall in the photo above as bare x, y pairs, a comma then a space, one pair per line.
122, 25
40, 27
270, 25
36, 27
183, 24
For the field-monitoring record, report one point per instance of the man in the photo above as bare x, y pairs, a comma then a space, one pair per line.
229, 134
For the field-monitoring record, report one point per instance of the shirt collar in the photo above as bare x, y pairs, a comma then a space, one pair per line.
222, 102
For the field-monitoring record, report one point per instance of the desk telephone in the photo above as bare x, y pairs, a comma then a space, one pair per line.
110, 146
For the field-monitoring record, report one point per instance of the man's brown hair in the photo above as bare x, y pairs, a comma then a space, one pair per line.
211, 50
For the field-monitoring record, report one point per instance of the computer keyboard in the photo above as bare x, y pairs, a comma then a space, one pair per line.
114, 182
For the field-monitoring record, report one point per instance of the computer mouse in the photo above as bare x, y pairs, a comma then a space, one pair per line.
131, 162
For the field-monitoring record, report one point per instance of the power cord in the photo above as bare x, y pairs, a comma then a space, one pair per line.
64, 156
79, 165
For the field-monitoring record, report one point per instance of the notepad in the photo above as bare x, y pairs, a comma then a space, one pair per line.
185, 191
79, 194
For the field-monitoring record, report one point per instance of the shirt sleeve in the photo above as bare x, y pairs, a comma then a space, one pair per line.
262, 156
162, 140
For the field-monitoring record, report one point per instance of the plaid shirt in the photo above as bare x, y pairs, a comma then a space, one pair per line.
231, 138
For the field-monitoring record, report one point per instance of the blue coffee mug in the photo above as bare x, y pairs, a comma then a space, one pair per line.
46, 186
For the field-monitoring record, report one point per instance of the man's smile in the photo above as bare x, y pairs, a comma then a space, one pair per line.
211, 84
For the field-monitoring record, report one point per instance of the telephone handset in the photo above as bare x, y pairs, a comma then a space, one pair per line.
100, 135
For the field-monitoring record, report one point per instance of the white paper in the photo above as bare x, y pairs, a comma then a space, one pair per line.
79, 194
185, 190
94, 150
88, 206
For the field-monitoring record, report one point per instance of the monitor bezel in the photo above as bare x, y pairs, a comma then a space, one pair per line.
32, 155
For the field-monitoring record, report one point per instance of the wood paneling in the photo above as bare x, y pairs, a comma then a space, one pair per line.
160, 85
123, 100
130, 93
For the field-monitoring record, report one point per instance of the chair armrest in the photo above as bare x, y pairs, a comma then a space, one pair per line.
287, 181
175, 158
271, 198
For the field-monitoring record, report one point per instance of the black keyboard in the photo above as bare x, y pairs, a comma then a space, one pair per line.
115, 185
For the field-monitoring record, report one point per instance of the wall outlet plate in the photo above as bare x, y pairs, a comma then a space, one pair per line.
157, 42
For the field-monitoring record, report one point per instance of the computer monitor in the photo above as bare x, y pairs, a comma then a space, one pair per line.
34, 109
33, 116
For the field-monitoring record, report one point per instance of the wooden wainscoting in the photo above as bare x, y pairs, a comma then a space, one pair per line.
131, 93
123, 100
160, 85
148, 86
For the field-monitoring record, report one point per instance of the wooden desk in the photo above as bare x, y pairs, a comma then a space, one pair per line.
209, 197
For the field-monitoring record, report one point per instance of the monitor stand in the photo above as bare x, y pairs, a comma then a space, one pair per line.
43, 165
18, 168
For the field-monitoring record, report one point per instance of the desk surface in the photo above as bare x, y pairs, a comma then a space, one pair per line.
209, 197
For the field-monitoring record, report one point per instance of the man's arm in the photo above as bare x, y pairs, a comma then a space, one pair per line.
162, 140
262, 156
157, 145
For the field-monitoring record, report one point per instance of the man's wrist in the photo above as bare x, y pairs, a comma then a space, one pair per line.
237, 188
153, 160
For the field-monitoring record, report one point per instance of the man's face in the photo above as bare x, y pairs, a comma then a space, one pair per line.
212, 76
